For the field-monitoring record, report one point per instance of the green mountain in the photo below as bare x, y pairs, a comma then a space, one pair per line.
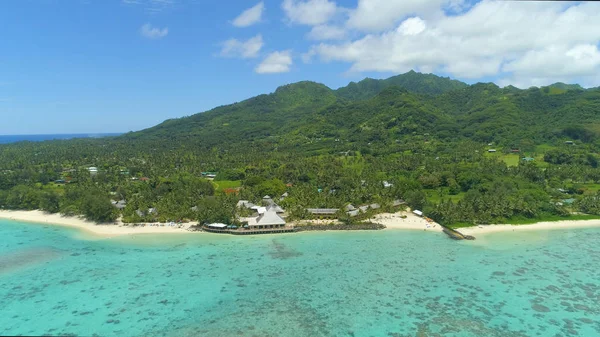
390, 111
564, 86
412, 81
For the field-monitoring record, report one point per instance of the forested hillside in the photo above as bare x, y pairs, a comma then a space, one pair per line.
465, 153
394, 110
414, 82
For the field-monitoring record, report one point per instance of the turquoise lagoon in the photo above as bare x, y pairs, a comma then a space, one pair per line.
54, 281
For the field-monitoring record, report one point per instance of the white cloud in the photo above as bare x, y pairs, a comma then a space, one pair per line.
276, 62
311, 12
412, 26
326, 32
152, 32
250, 16
513, 40
244, 49
377, 15
556, 61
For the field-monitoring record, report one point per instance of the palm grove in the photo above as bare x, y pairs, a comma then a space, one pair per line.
465, 154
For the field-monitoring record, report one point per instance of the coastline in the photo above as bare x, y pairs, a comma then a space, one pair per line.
391, 221
394, 221
101, 230
538, 226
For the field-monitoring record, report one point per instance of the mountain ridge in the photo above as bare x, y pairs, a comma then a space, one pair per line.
482, 111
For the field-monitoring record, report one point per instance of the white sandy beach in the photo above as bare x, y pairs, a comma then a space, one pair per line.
103, 230
549, 225
413, 222
392, 221
395, 221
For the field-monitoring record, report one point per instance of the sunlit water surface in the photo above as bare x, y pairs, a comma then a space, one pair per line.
385, 283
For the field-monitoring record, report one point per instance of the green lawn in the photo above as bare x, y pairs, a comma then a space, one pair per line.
221, 185
589, 188
433, 196
511, 159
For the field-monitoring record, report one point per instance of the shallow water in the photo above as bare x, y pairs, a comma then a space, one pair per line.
392, 283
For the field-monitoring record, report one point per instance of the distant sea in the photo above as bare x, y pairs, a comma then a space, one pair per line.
5, 139
382, 283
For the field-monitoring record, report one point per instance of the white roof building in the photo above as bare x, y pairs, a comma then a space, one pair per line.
322, 211
417, 212
275, 208
268, 200
398, 202
261, 210
246, 204
269, 218
353, 213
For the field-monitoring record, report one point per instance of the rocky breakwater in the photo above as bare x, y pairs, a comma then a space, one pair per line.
339, 227
456, 235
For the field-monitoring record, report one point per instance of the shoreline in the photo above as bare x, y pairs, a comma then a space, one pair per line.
391, 221
394, 221
115, 229
538, 226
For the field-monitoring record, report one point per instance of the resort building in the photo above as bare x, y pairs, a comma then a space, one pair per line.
268, 200
268, 220
398, 202
275, 208
121, 204
245, 203
354, 212
259, 209
328, 213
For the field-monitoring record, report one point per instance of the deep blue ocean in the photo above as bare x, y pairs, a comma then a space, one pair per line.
5, 139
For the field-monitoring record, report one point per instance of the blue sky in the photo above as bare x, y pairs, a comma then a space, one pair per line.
120, 65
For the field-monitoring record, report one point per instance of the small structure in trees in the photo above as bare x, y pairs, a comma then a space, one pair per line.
329, 213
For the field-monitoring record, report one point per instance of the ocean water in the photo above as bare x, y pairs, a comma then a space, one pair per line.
56, 281
5, 139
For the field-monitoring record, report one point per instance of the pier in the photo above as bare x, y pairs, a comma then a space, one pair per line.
244, 231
